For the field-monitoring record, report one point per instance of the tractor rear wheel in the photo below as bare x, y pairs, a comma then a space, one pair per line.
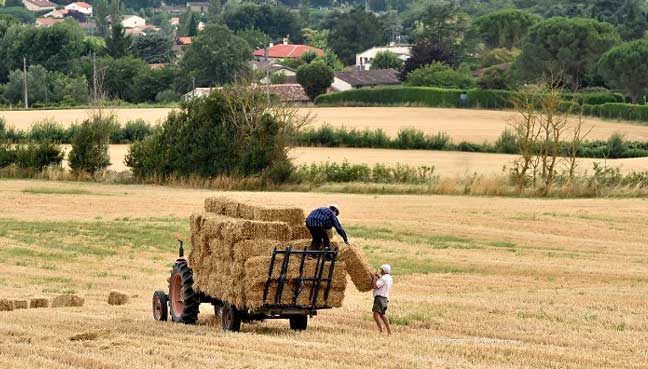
183, 300
160, 306
299, 322
230, 318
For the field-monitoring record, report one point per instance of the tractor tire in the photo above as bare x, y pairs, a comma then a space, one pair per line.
299, 322
230, 318
183, 300
160, 306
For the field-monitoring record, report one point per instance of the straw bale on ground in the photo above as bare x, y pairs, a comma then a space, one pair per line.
20, 304
358, 268
39, 302
67, 301
117, 298
6, 305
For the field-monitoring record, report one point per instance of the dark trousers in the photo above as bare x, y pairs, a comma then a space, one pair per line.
320, 237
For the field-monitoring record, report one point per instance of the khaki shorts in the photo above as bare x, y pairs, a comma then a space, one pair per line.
380, 304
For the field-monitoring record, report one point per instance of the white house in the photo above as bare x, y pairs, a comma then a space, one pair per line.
38, 5
364, 59
81, 7
133, 21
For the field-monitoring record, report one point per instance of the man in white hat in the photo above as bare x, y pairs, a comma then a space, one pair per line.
319, 221
382, 287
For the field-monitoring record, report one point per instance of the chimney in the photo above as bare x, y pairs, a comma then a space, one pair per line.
285, 40
271, 44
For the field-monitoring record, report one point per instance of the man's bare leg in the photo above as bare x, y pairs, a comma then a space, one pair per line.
377, 318
386, 321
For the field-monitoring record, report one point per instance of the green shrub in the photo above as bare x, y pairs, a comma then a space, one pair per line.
211, 136
37, 156
440, 75
90, 143
136, 130
166, 96
7, 157
493, 78
507, 143
48, 130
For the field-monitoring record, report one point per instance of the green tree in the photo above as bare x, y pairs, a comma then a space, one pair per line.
208, 137
215, 56
316, 38
332, 60
493, 78
101, 13
439, 21
37, 86
315, 78
440, 75
309, 56
624, 67
254, 37
215, 11
90, 143
353, 32
119, 43
275, 21
153, 48
118, 76
386, 60
188, 24
425, 52
55, 48
505, 28
565, 49
499, 56
150, 82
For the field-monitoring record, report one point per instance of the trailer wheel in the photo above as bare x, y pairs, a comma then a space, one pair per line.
298, 322
230, 318
160, 306
183, 301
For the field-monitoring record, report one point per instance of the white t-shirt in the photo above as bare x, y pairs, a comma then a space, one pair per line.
384, 284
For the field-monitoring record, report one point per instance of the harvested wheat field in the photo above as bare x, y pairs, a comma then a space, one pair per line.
479, 282
446, 163
462, 125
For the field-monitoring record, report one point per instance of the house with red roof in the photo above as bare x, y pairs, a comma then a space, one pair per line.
47, 22
81, 7
286, 51
38, 5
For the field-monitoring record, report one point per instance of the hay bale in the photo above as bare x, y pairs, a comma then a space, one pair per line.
292, 216
39, 302
20, 304
6, 305
67, 301
299, 232
358, 268
117, 298
224, 206
247, 249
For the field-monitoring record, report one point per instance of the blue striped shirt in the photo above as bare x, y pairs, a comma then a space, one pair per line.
326, 218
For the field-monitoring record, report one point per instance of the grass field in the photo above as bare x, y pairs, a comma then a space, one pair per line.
469, 125
479, 283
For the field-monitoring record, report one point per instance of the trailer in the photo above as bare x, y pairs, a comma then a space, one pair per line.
182, 302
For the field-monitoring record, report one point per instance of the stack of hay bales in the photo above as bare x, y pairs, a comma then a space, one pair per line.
232, 250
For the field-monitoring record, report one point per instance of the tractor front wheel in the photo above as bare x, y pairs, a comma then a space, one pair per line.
183, 301
160, 306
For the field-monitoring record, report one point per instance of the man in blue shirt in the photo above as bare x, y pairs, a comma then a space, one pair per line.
319, 221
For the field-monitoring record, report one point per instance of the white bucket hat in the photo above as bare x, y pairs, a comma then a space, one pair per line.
336, 207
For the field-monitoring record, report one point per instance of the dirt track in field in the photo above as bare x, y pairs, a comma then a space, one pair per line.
462, 125
537, 284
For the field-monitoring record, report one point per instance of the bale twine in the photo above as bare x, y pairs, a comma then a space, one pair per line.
39, 302
117, 298
20, 304
6, 305
358, 268
67, 301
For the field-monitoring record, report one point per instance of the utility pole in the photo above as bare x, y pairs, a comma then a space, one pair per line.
193, 85
25, 82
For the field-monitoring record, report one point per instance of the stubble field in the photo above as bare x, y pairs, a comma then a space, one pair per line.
462, 125
479, 283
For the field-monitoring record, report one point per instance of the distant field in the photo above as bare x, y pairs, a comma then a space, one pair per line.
480, 283
447, 163
469, 125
